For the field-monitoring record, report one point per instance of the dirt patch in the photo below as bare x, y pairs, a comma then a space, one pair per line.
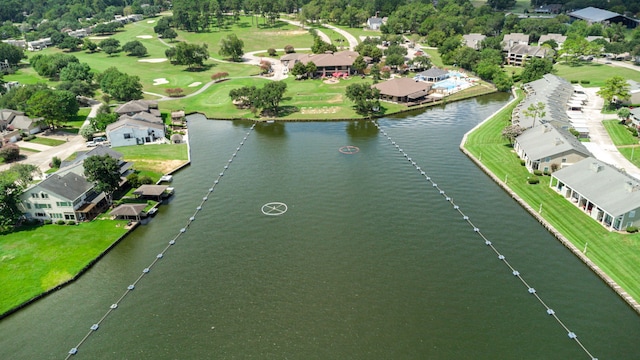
322, 110
160, 166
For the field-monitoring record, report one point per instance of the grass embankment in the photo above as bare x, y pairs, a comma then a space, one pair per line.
625, 142
616, 254
593, 74
155, 160
37, 259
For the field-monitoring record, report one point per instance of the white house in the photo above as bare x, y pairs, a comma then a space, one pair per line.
129, 131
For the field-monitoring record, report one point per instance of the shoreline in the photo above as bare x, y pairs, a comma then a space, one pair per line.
552, 230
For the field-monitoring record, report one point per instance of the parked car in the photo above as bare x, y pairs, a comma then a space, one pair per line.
91, 143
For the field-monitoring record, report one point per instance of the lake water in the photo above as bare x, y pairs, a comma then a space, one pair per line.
368, 262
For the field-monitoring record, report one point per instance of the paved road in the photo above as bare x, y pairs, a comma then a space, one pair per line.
353, 42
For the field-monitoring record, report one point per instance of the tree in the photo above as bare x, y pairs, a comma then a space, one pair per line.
511, 132
54, 106
77, 87
359, 64
623, 113
535, 68
89, 45
191, 54
70, 43
265, 66
502, 81
535, 111
87, 131
135, 48
365, 97
12, 54
51, 65
174, 92
231, 47
615, 89
76, 71
420, 63
289, 49
219, 75
501, 4
270, 95
24, 174
110, 46
299, 70
376, 73
119, 85
311, 69
104, 172
9, 201
10, 152
321, 47
243, 96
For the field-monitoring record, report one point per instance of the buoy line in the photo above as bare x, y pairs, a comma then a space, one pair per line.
160, 255
488, 243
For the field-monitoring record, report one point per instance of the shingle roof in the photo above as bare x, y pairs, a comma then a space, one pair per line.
547, 141
70, 186
434, 72
613, 191
135, 106
133, 123
402, 87
593, 14
340, 58
128, 210
150, 190
558, 38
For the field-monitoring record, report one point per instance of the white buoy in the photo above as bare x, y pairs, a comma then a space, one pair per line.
183, 230
487, 242
572, 335
465, 217
159, 256
205, 198
172, 242
94, 327
192, 218
550, 311
221, 174
476, 229
441, 192
226, 167
114, 306
501, 257
131, 287
456, 207
230, 160
146, 270
199, 208
532, 290
73, 351
215, 182
516, 273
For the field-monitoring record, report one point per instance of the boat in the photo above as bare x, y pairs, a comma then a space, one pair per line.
152, 211
166, 178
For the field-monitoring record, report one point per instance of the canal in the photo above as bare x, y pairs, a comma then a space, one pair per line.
368, 261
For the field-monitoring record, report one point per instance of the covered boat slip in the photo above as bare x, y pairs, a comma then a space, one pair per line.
153, 192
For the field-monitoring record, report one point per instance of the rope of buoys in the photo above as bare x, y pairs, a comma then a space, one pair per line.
160, 255
487, 242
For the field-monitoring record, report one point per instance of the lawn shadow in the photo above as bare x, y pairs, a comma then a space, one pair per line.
205, 67
287, 110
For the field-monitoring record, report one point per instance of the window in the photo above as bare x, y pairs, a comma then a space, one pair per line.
42, 206
63, 203
56, 216
632, 213
564, 160
40, 214
547, 159
34, 195
27, 205
44, 196
127, 136
69, 217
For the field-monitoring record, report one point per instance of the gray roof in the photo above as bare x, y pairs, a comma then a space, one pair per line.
133, 123
434, 72
70, 186
473, 40
128, 210
23, 122
150, 190
374, 20
135, 106
98, 150
547, 141
558, 38
401, 87
613, 191
555, 92
143, 116
593, 14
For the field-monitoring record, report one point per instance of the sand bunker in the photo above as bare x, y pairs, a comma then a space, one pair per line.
160, 81
98, 37
197, 83
144, 37
151, 21
152, 60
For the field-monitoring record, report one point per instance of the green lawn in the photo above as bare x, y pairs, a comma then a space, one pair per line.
38, 259
596, 74
619, 133
434, 55
615, 253
47, 141
155, 160
358, 32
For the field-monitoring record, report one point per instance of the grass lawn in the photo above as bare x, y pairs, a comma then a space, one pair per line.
619, 133
615, 253
596, 74
358, 32
155, 160
37, 259
47, 141
434, 55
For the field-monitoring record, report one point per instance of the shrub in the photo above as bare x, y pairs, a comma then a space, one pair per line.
547, 172
10, 152
537, 172
289, 49
554, 167
145, 180
56, 162
60, 222
47, 222
574, 81
174, 92
522, 162
272, 52
71, 222
133, 180
585, 81
533, 180
632, 229
633, 130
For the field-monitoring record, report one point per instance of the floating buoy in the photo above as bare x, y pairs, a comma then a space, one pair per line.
550, 311
487, 242
172, 242
146, 270
476, 229
434, 185
532, 290
456, 207
73, 351
114, 306
94, 327
192, 218
501, 257
465, 217
572, 335
441, 192
159, 256
226, 167
183, 230
199, 208
210, 189
516, 273
230, 160
131, 287
428, 178
221, 174
447, 198
205, 198
215, 182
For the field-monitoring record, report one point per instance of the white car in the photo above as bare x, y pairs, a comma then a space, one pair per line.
91, 143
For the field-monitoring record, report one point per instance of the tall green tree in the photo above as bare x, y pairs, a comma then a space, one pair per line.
615, 89
535, 111
10, 212
54, 106
365, 97
135, 48
12, 54
232, 47
120, 86
535, 68
104, 172
191, 54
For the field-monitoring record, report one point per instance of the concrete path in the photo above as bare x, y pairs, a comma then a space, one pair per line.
353, 42
322, 35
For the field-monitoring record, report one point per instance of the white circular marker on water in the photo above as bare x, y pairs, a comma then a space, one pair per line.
274, 208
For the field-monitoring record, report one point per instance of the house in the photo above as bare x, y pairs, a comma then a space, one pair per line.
548, 9
558, 38
19, 43
136, 106
593, 15
512, 39
473, 40
547, 148
152, 192
80, 33
129, 131
635, 117
634, 92
606, 194
26, 124
39, 44
177, 117
374, 23
68, 197
555, 93
517, 55
432, 75
328, 64
404, 90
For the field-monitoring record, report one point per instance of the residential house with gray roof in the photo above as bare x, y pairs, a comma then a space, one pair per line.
555, 93
518, 54
512, 39
432, 75
547, 148
558, 38
473, 40
606, 194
